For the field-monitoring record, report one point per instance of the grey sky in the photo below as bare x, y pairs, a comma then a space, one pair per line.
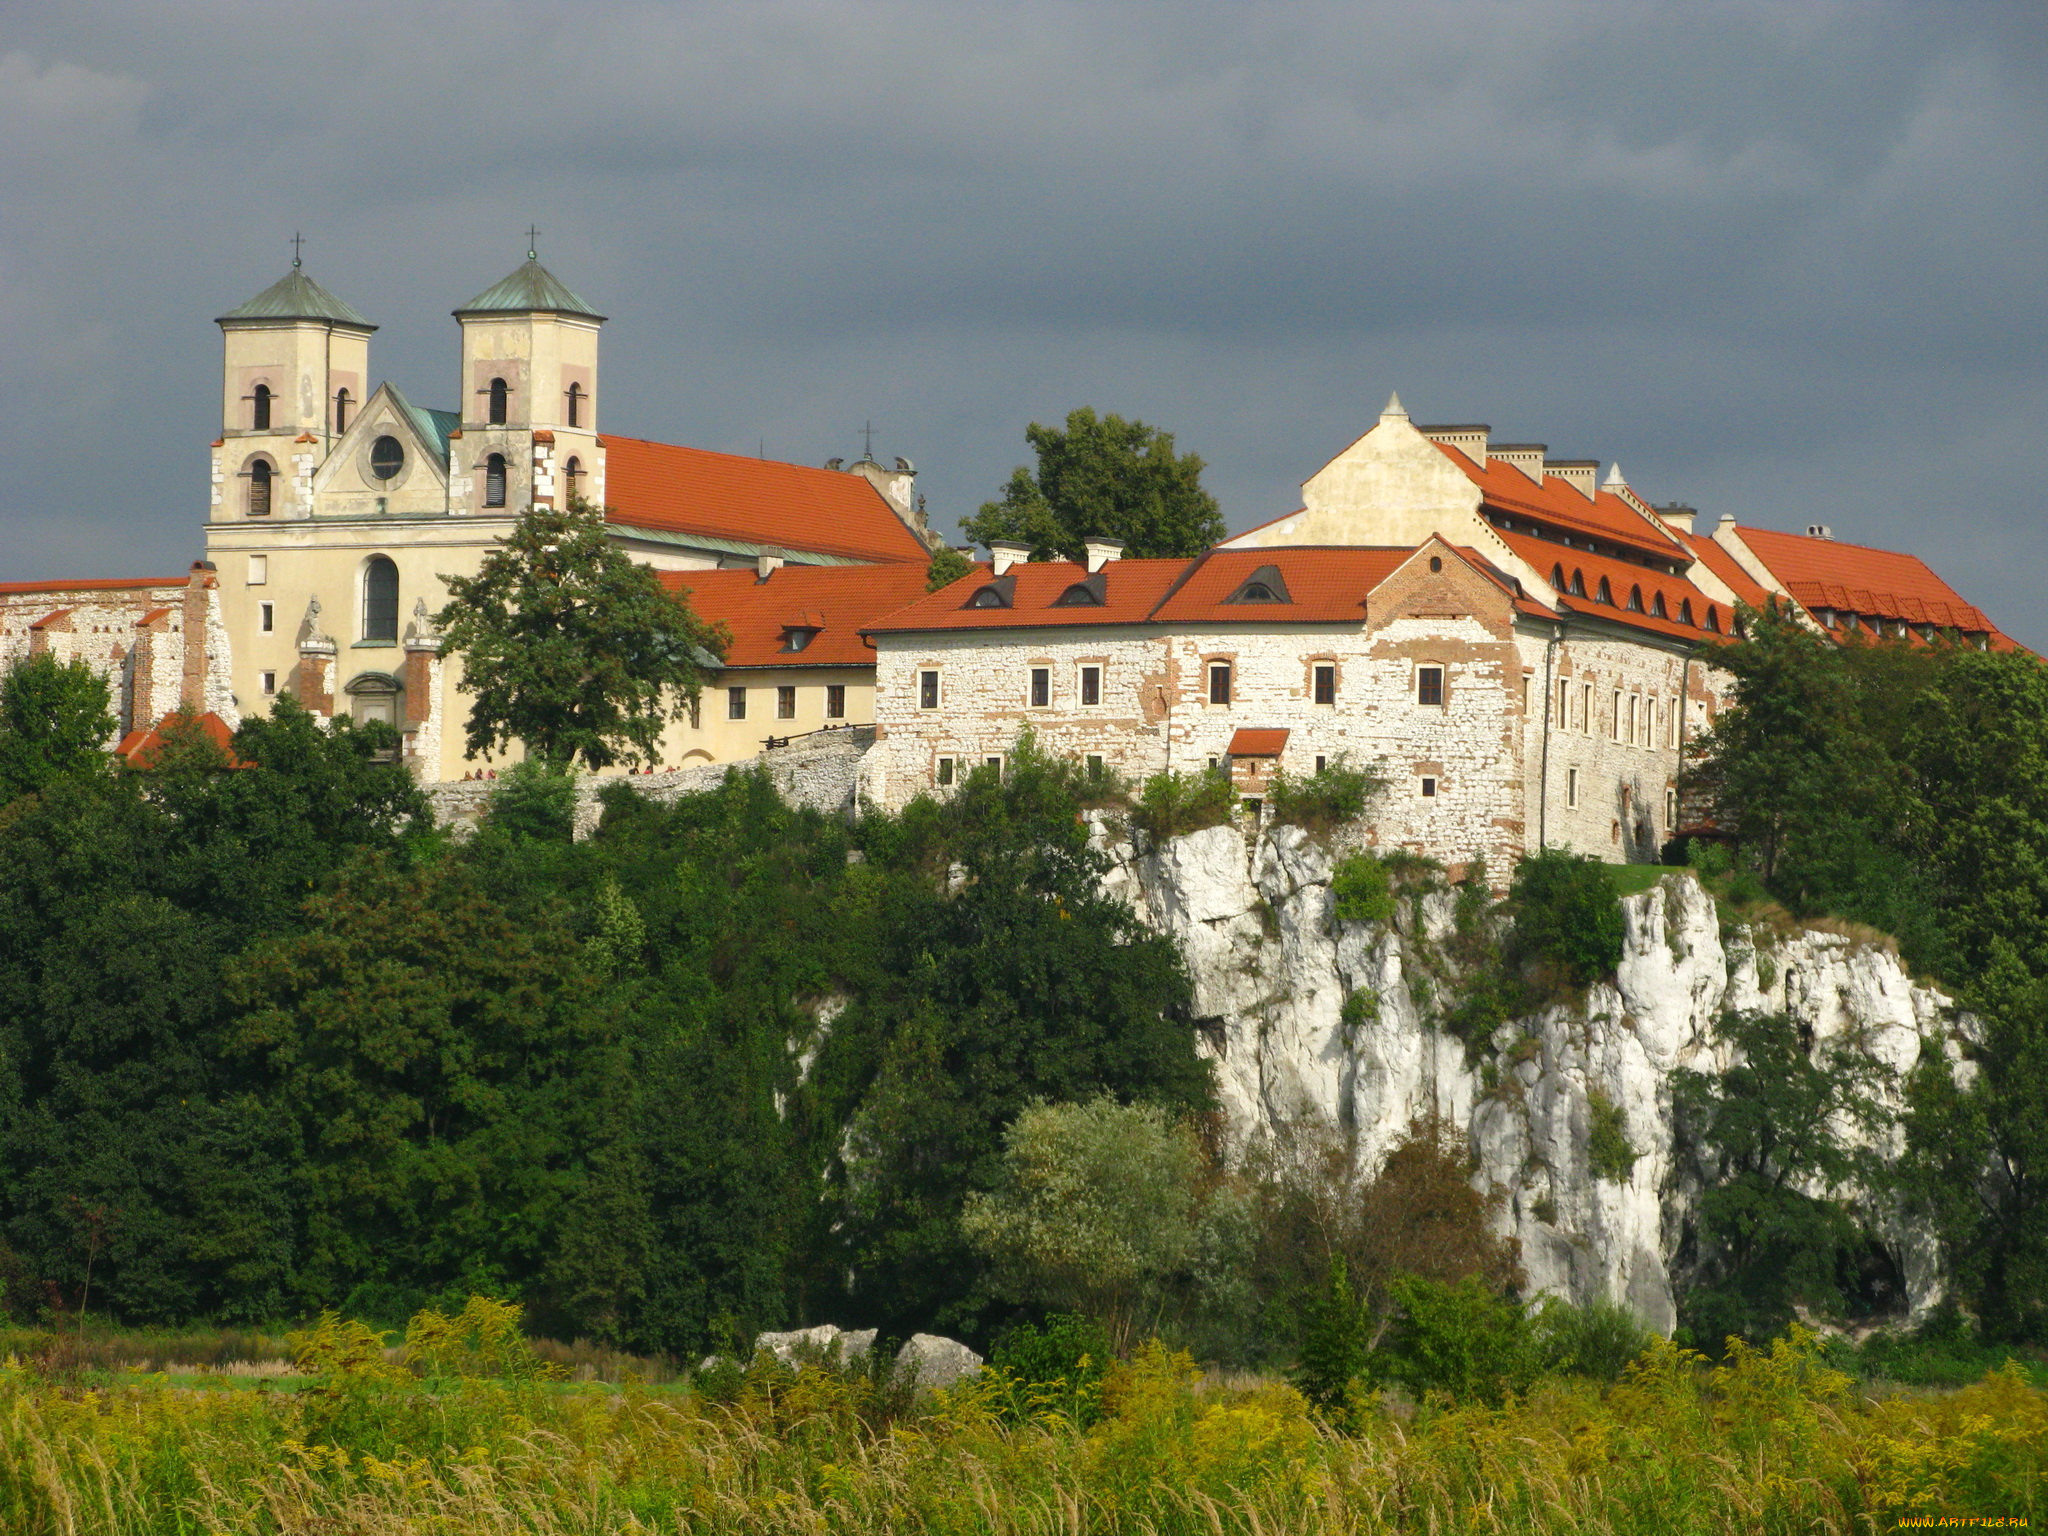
1787, 260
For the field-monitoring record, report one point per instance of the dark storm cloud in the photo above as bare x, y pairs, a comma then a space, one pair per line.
1781, 259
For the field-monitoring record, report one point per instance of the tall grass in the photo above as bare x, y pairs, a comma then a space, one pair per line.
1772, 1441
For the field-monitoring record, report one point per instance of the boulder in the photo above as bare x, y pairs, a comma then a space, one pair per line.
816, 1343
936, 1361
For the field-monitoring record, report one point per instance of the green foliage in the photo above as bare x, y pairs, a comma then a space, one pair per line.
1322, 801
1600, 1340
1103, 477
1363, 890
1566, 918
1057, 1367
1175, 803
571, 646
536, 798
1463, 1341
947, 566
1782, 1119
1608, 1149
1333, 1348
55, 722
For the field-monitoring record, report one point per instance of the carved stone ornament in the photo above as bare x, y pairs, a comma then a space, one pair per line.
311, 638
420, 633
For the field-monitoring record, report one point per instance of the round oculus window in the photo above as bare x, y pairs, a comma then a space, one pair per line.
387, 458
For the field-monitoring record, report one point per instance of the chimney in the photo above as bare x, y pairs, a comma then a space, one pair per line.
1101, 551
765, 565
1468, 440
1004, 553
1527, 457
1676, 515
1579, 474
1819, 531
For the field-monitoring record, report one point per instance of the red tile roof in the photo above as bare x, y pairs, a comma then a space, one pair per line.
753, 501
1823, 573
112, 584
1559, 502
1130, 589
1729, 569
1327, 585
1623, 577
142, 748
836, 600
1251, 742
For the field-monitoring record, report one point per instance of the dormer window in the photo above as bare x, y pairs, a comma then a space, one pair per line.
1092, 593
501, 395
1685, 611
1635, 599
1265, 585
1713, 619
1578, 583
1657, 609
1557, 578
1606, 593
999, 593
798, 637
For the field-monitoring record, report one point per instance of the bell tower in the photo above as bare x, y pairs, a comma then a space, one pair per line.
295, 362
528, 397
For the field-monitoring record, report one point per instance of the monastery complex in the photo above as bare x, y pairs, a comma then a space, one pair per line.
1520, 646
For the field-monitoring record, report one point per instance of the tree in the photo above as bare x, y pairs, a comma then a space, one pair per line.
54, 721
1103, 477
948, 565
571, 646
1097, 1210
1566, 917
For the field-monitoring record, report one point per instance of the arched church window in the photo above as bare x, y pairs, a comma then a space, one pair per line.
500, 395
494, 480
343, 401
575, 405
387, 458
260, 408
572, 477
380, 600
259, 488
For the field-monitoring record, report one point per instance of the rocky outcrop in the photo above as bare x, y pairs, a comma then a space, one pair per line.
931, 1360
1272, 968
804, 1345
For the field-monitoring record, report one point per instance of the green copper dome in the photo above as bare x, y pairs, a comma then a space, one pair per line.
296, 296
532, 288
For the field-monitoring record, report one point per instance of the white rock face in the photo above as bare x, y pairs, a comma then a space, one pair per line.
1254, 919
938, 1361
817, 1341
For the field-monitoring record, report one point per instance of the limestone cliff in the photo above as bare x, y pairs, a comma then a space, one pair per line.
1272, 967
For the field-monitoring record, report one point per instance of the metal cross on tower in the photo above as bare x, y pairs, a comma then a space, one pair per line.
532, 243
297, 241
867, 434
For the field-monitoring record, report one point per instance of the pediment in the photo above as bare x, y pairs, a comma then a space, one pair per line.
352, 472
1392, 486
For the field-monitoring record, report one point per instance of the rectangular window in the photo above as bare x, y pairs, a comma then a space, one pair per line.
259, 570
927, 690
1094, 768
1571, 786
269, 684
735, 703
1219, 682
1429, 789
945, 773
1041, 687
994, 765
1586, 708
1429, 685
1676, 717
1617, 714
1321, 764
1670, 810
1633, 700
835, 701
1326, 683
785, 703
1564, 704
266, 617
1091, 685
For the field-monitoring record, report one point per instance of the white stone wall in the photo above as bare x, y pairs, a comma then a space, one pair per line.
103, 626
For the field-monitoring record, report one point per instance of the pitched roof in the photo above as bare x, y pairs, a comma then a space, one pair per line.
835, 600
1823, 573
1558, 501
140, 749
530, 289
1623, 577
1130, 589
1326, 585
1253, 742
1724, 565
295, 296
96, 584
434, 426
763, 502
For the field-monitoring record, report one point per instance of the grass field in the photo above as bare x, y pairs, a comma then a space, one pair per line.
468, 1431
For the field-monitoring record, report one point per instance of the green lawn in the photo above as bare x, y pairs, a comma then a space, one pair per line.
1631, 879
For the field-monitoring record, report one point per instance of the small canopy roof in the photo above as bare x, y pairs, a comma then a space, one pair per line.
295, 296
529, 290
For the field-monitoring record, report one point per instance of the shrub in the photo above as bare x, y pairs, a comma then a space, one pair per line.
1612, 1157
1055, 1367
1566, 917
1363, 888
1599, 1340
1334, 1342
1464, 1341
535, 799
1174, 803
1325, 799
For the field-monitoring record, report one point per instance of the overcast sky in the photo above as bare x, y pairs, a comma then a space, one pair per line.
1787, 260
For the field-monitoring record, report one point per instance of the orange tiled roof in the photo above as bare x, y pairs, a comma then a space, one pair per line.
141, 748
1130, 590
1623, 577
1822, 573
108, 584
1558, 501
1325, 584
1729, 569
1252, 742
835, 600
755, 501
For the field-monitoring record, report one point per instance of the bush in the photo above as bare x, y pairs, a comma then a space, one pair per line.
1612, 1157
1566, 917
1464, 1341
1327, 798
535, 799
1057, 1366
1600, 1340
1174, 803
1334, 1342
1364, 890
